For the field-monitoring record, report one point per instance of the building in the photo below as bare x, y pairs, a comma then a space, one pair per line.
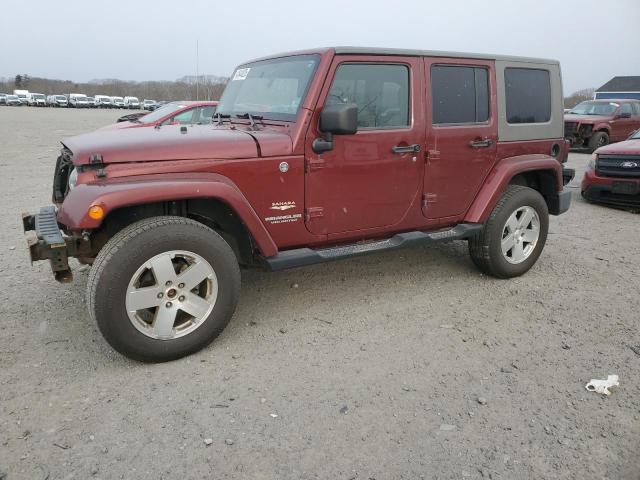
620, 87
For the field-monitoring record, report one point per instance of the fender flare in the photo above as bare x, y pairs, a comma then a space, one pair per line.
501, 175
598, 127
146, 189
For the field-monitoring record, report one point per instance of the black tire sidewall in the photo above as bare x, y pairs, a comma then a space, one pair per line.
595, 140
524, 197
109, 304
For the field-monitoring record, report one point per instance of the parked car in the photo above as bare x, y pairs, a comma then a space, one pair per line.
176, 113
23, 96
613, 174
91, 101
57, 101
595, 123
3, 98
132, 103
78, 100
157, 105
103, 101
13, 101
314, 156
37, 100
148, 104
117, 102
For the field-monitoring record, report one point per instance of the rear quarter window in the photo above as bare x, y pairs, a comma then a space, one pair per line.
528, 95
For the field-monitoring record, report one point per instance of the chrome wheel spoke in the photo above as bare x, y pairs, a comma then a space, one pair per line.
526, 218
146, 297
163, 321
517, 252
194, 275
195, 306
512, 222
163, 270
507, 243
531, 235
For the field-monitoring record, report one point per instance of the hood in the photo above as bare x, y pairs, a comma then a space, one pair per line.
117, 145
572, 117
628, 147
169, 143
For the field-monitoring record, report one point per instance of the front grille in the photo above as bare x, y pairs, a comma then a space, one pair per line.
618, 166
570, 129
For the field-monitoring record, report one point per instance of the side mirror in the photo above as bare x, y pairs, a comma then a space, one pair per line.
339, 119
624, 115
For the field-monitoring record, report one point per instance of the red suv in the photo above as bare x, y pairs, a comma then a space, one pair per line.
595, 123
313, 156
613, 176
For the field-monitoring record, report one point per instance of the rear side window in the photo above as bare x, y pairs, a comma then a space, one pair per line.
459, 94
380, 91
528, 95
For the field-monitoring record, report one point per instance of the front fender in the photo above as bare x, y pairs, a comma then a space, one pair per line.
500, 177
146, 189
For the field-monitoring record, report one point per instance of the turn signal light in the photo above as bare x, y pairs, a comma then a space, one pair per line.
96, 212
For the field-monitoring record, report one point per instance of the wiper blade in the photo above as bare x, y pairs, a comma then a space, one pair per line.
219, 116
252, 118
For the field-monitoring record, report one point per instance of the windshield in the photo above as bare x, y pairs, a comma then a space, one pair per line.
39, 96
161, 112
61, 97
595, 108
273, 88
117, 99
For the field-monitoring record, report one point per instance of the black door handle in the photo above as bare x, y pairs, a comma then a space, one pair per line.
415, 148
487, 142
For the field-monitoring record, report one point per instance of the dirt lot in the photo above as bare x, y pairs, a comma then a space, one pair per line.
401, 365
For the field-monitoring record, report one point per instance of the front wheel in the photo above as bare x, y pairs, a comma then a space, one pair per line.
597, 140
514, 235
163, 288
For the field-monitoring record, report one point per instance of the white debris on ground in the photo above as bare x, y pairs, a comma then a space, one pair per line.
602, 386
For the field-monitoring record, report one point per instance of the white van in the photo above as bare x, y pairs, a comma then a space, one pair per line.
103, 101
37, 100
117, 102
23, 96
131, 102
78, 100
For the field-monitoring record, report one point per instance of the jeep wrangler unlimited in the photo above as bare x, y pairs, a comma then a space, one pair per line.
312, 156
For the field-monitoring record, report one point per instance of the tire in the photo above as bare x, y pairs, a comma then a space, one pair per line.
486, 248
597, 140
137, 248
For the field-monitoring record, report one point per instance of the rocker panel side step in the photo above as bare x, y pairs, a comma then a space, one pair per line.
307, 256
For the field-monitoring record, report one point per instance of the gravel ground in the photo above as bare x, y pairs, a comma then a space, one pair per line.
394, 366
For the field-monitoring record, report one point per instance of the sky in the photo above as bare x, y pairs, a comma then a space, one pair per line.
139, 40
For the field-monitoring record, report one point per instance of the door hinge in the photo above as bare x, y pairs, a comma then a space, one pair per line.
314, 164
428, 198
313, 212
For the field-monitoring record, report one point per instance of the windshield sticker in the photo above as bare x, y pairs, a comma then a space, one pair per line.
241, 74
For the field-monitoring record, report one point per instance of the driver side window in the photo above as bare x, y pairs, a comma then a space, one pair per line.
183, 118
381, 93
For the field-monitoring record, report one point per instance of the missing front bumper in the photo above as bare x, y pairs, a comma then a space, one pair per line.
47, 242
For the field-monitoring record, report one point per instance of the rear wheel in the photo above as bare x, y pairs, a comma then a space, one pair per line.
163, 288
514, 235
597, 140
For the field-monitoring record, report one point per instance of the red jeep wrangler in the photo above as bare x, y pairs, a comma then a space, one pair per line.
313, 156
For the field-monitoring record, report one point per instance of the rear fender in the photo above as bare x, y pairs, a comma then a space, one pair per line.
158, 188
500, 177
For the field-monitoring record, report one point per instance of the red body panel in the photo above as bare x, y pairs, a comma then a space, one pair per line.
363, 189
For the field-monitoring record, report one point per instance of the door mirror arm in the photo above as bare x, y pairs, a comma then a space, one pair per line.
321, 145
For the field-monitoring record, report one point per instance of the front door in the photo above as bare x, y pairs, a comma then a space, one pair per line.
462, 133
369, 179
624, 123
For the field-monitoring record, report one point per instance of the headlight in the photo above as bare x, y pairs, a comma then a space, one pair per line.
594, 159
73, 178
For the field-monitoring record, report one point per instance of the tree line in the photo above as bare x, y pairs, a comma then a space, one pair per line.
207, 87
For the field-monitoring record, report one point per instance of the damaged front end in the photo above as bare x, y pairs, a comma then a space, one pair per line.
46, 241
578, 133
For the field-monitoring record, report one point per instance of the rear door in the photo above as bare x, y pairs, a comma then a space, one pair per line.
462, 133
369, 179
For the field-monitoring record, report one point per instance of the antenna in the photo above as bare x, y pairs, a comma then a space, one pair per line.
197, 71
